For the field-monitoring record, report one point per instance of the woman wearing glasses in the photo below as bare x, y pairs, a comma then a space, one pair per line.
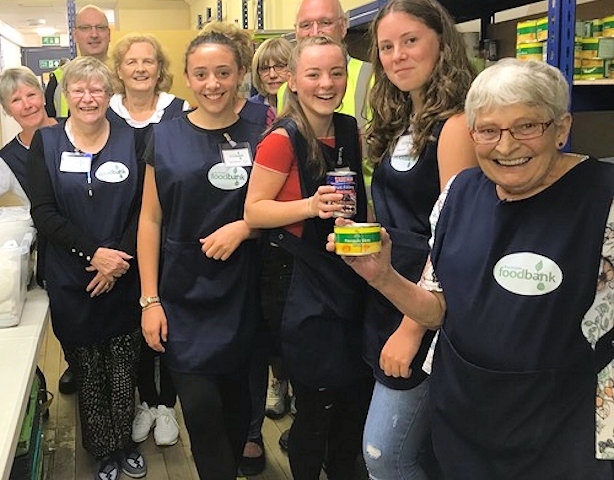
270, 68
85, 183
518, 283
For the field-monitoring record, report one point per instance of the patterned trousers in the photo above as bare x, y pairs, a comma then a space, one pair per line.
106, 382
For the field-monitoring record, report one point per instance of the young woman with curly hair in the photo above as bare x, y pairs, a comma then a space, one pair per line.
418, 139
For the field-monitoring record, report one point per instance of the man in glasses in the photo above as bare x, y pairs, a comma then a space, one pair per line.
92, 36
326, 17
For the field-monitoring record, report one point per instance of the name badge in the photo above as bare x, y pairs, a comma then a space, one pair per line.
75, 162
237, 155
401, 159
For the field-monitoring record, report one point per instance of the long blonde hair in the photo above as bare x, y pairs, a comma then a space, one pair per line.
294, 110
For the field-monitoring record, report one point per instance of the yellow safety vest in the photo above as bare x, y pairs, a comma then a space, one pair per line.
59, 100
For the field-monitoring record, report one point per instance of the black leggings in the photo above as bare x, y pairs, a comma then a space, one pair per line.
146, 379
328, 426
216, 410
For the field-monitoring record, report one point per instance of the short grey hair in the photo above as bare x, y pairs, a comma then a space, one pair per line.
13, 78
85, 69
511, 81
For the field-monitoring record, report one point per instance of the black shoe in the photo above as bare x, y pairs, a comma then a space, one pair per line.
132, 463
283, 440
251, 466
107, 470
67, 383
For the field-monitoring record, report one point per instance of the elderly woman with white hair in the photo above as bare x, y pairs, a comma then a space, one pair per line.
86, 178
22, 98
519, 284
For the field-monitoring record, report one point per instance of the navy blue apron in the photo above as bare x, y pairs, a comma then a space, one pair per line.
323, 316
16, 157
403, 200
212, 306
255, 112
513, 382
79, 320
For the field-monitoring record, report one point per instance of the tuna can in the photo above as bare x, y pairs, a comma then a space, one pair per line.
542, 29
344, 183
593, 68
357, 239
597, 30
530, 51
526, 32
590, 47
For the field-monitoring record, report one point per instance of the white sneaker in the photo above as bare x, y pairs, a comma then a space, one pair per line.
166, 431
144, 420
276, 399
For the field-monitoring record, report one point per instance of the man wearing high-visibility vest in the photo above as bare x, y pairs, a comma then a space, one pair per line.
317, 17
92, 36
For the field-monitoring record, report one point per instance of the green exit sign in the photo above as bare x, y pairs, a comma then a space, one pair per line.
45, 64
50, 40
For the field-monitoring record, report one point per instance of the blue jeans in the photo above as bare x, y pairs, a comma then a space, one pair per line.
396, 430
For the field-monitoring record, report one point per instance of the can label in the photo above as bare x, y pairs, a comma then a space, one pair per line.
345, 184
357, 239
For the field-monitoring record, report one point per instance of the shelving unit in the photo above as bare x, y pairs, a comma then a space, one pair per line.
586, 95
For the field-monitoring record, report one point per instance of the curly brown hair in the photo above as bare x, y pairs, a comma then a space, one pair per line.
241, 38
444, 92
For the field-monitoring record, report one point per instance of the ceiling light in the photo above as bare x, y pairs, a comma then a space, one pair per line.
45, 31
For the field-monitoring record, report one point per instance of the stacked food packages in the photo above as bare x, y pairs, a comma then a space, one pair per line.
531, 39
593, 48
596, 49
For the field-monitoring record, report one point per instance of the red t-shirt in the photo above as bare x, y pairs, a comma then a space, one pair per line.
275, 153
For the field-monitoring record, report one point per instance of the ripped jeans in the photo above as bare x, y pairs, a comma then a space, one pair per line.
396, 431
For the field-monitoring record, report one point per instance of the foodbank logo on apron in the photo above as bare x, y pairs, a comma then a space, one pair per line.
112, 172
527, 273
227, 178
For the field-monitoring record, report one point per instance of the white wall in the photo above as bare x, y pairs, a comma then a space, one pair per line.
10, 56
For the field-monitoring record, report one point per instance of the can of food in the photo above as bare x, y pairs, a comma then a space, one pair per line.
590, 46
542, 29
577, 68
577, 47
357, 239
344, 182
530, 51
526, 31
593, 68
597, 29
608, 26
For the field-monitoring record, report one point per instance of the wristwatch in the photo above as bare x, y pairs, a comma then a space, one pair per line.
145, 301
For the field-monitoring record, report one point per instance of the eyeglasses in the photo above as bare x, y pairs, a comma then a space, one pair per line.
79, 93
323, 23
526, 131
89, 28
266, 69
